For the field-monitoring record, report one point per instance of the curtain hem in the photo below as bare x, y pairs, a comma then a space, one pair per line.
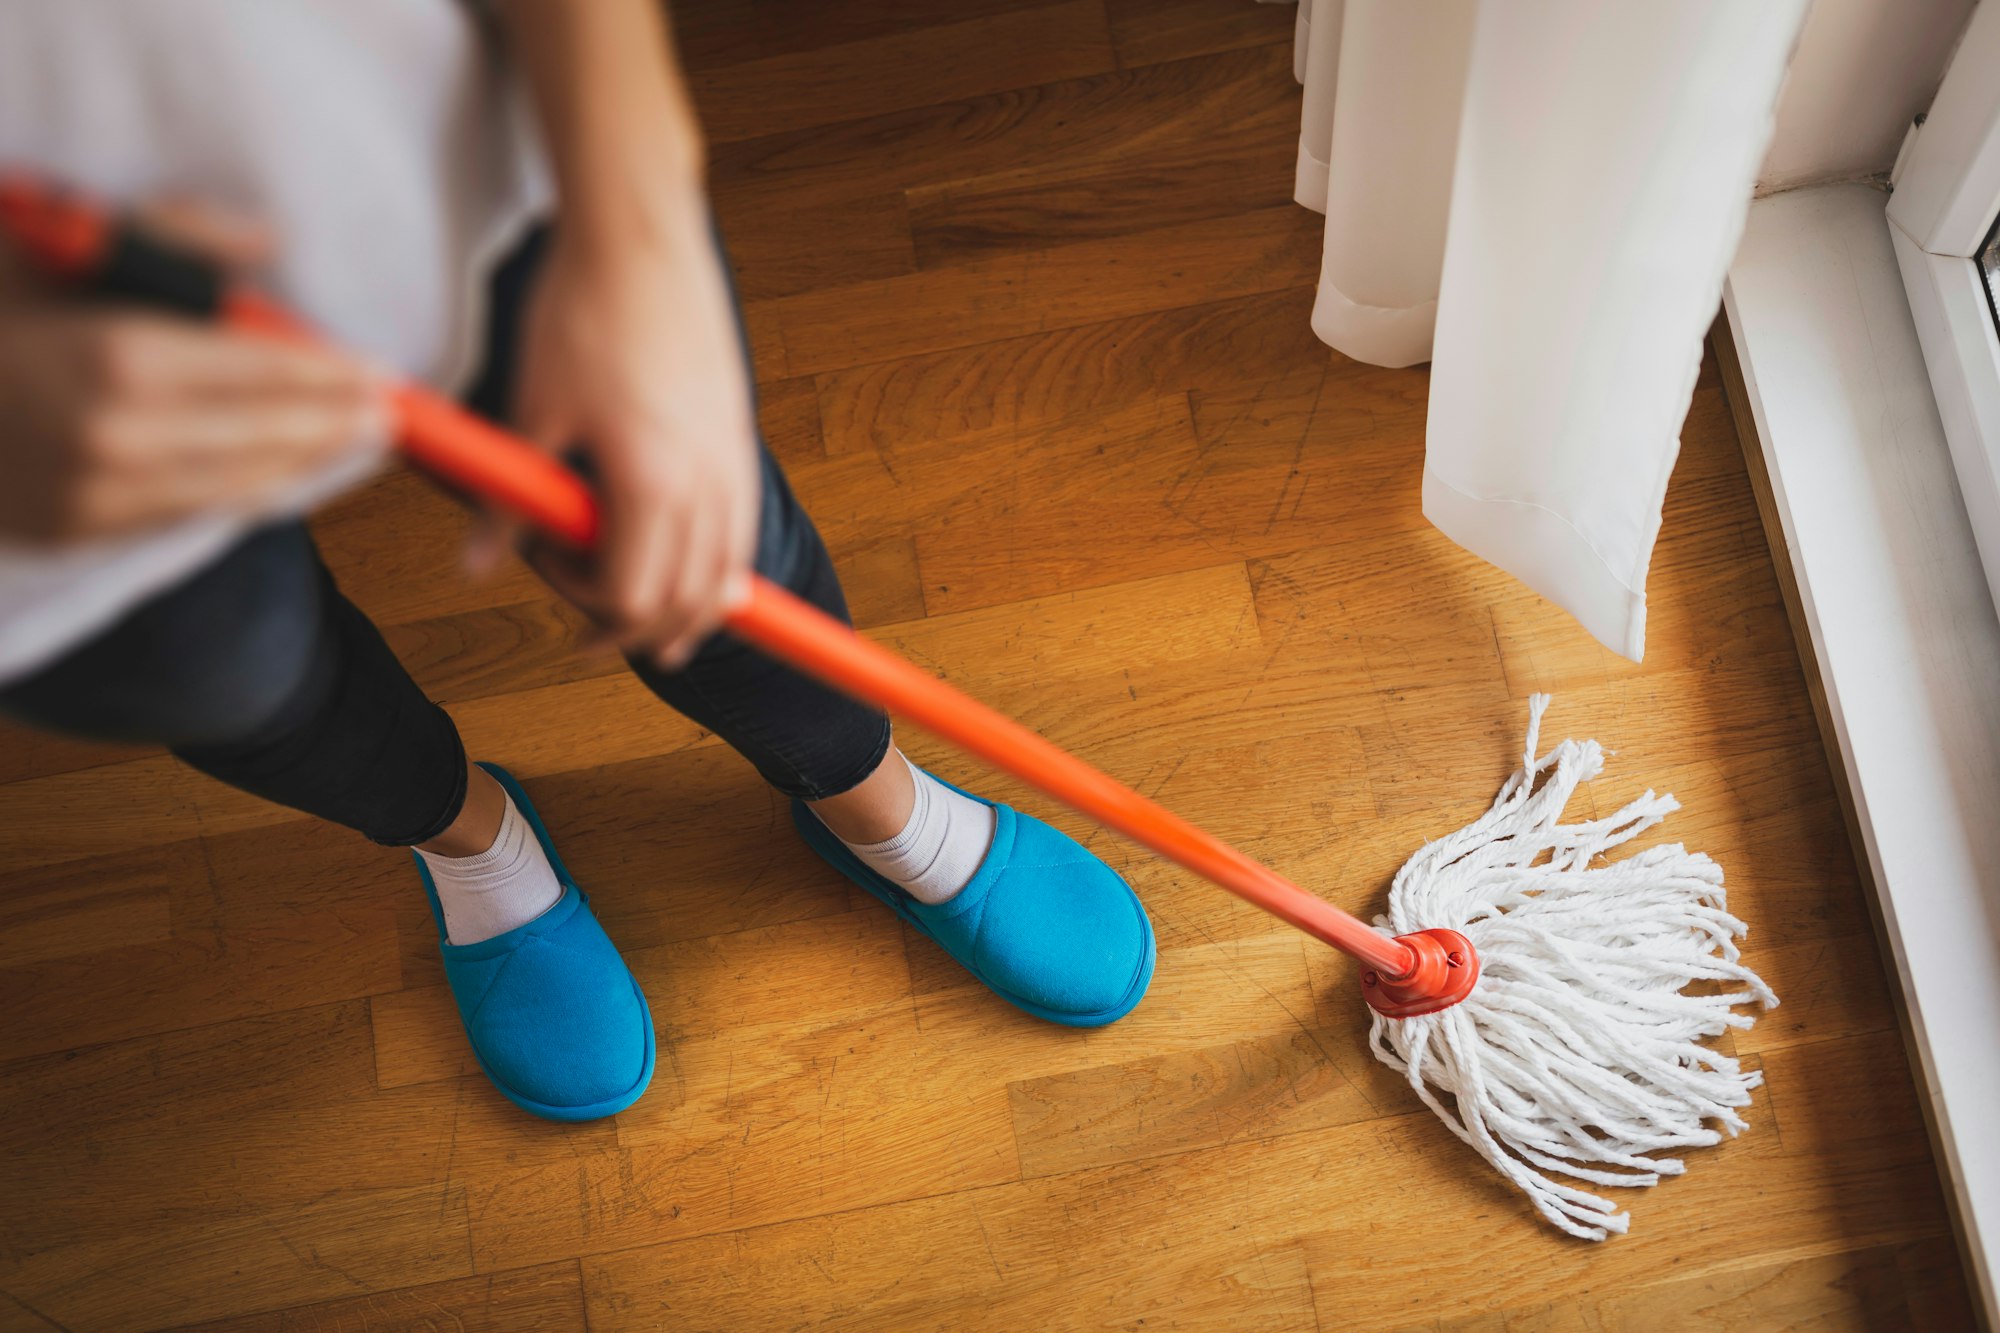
1390, 336
1310, 181
1540, 548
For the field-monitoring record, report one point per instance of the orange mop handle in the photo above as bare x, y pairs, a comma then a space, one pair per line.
815, 642
534, 487
515, 476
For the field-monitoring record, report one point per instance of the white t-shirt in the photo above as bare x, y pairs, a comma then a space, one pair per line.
383, 140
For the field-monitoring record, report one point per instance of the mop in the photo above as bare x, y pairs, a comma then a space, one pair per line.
1535, 1000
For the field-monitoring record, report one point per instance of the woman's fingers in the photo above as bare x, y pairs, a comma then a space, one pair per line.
642, 536
686, 617
232, 238
712, 577
154, 357
623, 583
286, 434
659, 592
174, 460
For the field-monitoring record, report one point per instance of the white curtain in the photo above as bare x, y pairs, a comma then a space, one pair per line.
1541, 198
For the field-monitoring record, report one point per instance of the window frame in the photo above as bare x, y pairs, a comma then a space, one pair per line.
1944, 209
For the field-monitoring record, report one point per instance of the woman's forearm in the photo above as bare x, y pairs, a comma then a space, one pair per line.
618, 122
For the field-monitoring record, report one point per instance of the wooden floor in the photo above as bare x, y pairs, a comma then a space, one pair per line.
1030, 304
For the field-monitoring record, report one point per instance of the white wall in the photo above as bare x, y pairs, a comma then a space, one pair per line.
1862, 70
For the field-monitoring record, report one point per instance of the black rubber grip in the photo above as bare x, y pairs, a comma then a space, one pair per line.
139, 269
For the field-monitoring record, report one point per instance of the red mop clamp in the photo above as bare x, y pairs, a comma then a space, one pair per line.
1414, 974
1447, 968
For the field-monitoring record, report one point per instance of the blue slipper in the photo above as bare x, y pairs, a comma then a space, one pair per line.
1043, 924
555, 1017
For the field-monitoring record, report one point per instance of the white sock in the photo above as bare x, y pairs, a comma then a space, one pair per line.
939, 849
507, 885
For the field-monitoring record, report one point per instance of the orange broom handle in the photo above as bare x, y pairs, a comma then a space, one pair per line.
509, 472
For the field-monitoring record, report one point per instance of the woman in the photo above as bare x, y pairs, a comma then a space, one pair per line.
156, 584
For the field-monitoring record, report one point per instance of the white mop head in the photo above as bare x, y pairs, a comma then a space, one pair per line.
1576, 1054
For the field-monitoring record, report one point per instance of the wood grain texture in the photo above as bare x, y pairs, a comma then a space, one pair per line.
25, 753
1147, 31
311, 1250
527, 1300
1233, 158
1033, 291
235, 950
712, 33
902, 69
1042, 377
788, 411
778, 251
1259, 1088
1859, 1290
103, 903
1083, 119
1029, 314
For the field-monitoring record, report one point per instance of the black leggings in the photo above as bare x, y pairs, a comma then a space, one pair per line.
260, 673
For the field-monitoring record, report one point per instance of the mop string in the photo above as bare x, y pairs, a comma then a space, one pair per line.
1579, 1056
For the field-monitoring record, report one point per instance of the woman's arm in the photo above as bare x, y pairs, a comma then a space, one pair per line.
615, 113
631, 350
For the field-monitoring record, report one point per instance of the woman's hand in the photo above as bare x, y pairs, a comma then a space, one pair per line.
631, 351
631, 354
114, 421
